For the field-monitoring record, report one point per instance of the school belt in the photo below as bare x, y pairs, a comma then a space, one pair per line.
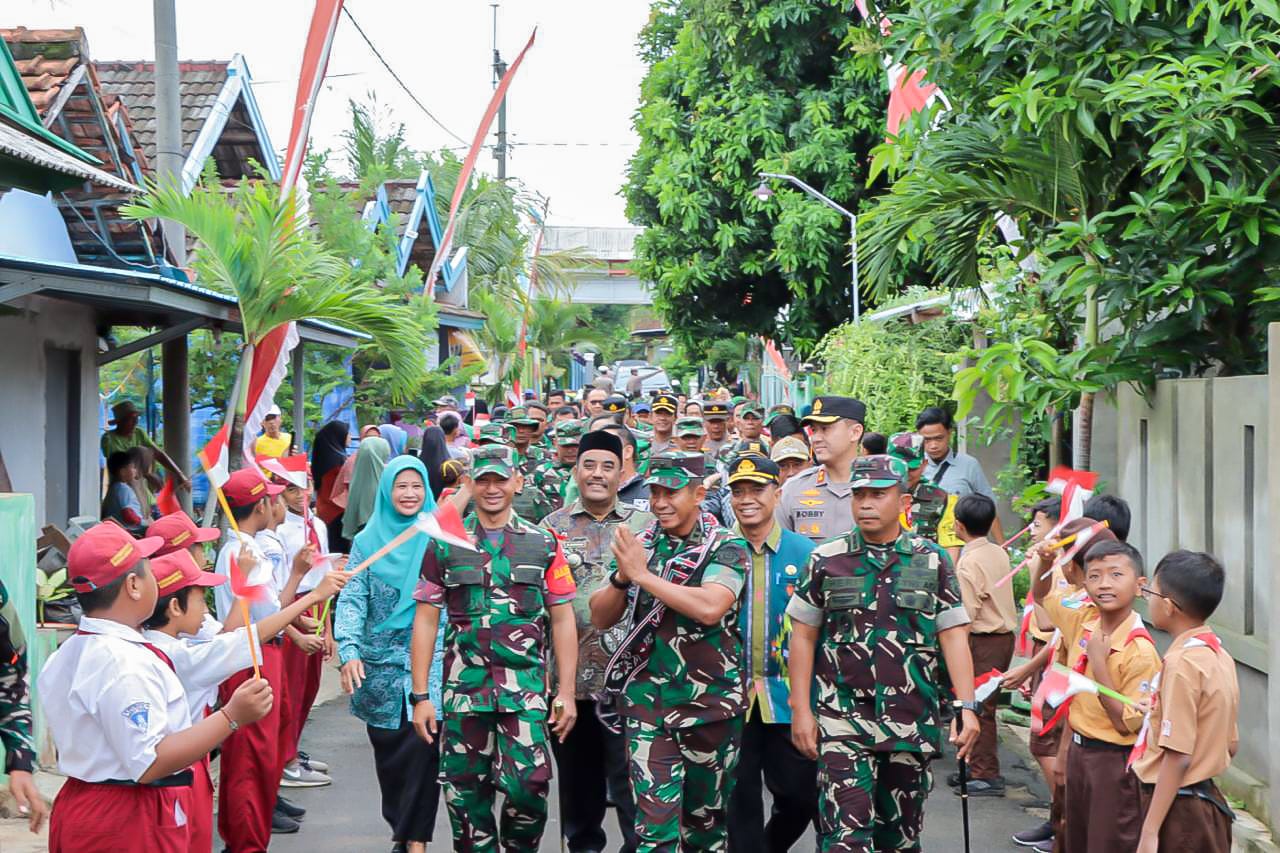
1094, 743
274, 641
181, 779
1203, 790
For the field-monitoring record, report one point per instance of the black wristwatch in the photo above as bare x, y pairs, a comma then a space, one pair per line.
415, 698
975, 707
616, 583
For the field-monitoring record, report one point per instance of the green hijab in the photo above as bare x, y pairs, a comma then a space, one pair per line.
371, 458
399, 569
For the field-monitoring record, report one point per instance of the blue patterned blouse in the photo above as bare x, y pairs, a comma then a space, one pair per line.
364, 603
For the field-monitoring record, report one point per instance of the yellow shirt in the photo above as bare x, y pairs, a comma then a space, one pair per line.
265, 445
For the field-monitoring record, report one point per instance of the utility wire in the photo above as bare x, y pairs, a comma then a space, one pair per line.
347, 10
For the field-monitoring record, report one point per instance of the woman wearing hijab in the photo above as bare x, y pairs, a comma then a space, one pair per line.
373, 625
328, 453
396, 437
371, 459
434, 453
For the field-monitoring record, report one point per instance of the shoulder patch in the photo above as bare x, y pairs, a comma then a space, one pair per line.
832, 547
732, 552
138, 714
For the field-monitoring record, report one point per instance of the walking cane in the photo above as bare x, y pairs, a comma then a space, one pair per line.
963, 767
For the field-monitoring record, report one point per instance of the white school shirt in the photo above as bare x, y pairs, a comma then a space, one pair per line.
202, 665
225, 599
273, 546
109, 701
293, 532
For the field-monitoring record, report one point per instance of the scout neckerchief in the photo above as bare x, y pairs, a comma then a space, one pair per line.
1204, 638
1138, 630
633, 652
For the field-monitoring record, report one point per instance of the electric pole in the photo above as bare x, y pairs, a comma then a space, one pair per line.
499, 70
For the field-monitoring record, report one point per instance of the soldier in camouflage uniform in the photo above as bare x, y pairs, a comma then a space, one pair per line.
689, 434
531, 503
873, 610
15, 713
675, 588
500, 600
553, 475
592, 764
496, 432
531, 455
932, 511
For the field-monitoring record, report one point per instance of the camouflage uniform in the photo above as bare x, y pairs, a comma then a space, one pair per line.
684, 709
15, 710
494, 735
530, 502
879, 609
552, 476
929, 503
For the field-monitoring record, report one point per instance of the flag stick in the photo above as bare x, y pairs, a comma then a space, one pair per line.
244, 605
407, 534
1065, 558
1015, 537
1105, 691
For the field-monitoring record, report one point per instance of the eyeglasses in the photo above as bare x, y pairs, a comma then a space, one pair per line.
1146, 590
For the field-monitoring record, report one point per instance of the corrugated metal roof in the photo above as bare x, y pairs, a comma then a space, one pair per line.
607, 244
18, 144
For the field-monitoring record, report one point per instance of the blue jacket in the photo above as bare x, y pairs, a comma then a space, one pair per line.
785, 555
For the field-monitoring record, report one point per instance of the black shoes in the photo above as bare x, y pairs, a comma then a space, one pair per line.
282, 824
290, 809
982, 787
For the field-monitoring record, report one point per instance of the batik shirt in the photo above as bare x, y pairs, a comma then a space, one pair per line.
15, 709
498, 598
879, 610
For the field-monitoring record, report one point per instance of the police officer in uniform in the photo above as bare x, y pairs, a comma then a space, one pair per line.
664, 421
873, 611
932, 511
815, 502
715, 415
592, 762
501, 599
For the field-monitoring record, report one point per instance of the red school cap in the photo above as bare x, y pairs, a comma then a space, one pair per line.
104, 554
179, 532
178, 570
246, 487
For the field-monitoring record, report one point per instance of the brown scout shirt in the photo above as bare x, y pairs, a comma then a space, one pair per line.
982, 563
1195, 709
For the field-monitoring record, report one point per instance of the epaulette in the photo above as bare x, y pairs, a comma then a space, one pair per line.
833, 547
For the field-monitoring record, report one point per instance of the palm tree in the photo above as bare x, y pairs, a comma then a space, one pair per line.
556, 327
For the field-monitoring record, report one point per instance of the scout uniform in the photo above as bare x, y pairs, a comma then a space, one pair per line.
15, 711
766, 738
668, 404
811, 504
1103, 810
110, 698
879, 610
715, 411
494, 733
1193, 713
684, 704
592, 762
552, 476
932, 513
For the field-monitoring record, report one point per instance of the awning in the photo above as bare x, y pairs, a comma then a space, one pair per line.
124, 297
459, 318
36, 166
463, 346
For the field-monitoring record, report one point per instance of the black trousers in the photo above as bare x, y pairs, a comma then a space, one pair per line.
792, 780
591, 771
408, 769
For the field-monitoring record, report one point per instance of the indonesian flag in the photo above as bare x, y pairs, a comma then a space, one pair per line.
514, 395
291, 469
1083, 538
315, 60
270, 365
1022, 647
1140, 745
985, 685
213, 457
444, 524
1055, 692
166, 501
244, 586
1075, 488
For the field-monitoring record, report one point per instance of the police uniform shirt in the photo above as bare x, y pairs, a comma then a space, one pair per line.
202, 665
293, 533
635, 493
109, 701
712, 447
813, 506
261, 575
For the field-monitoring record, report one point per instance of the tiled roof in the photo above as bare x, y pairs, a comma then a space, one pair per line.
45, 58
134, 83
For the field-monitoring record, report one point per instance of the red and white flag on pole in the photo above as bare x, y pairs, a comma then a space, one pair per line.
1075, 489
445, 525
213, 457
985, 685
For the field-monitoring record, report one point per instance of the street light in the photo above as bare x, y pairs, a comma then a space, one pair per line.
764, 192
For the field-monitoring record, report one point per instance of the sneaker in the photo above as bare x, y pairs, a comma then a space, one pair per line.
985, 787
297, 776
953, 780
286, 807
1032, 837
312, 763
282, 824
1043, 846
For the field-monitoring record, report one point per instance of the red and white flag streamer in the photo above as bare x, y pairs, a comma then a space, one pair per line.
985, 685
315, 61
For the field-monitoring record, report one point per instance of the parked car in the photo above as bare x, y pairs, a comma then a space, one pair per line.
654, 378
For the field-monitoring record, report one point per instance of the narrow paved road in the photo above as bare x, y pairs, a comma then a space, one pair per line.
344, 817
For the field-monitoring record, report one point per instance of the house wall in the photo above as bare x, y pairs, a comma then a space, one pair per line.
25, 417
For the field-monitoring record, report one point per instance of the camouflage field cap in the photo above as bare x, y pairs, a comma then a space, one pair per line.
665, 403
496, 433
880, 471
749, 447
751, 409
690, 426
493, 459
675, 470
789, 447
569, 433
755, 469
520, 415
909, 447
781, 409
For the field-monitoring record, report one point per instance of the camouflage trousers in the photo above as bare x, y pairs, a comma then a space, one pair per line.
870, 800
482, 753
682, 779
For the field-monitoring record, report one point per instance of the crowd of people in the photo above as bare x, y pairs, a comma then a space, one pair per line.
674, 603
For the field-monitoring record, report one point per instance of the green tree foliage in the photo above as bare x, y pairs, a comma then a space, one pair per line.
736, 87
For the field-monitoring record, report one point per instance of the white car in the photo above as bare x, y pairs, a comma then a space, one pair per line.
653, 378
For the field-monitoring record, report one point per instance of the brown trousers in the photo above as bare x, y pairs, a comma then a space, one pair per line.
1193, 823
1103, 808
989, 651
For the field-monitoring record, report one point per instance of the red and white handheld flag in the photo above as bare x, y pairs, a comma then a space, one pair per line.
445, 524
213, 457
986, 685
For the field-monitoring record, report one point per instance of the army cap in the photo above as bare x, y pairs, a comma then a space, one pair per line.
780, 409
614, 404
569, 433
665, 403
828, 410
715, 410
749, 447
496, 433
909, 447
690, 426
751, 407
675, 470
880, 471
789, 447
754, 469
520, 415
493, 459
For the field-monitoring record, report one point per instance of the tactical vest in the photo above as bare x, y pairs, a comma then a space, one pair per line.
928, 506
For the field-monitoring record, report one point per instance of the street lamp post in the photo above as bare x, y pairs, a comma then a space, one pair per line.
763, 192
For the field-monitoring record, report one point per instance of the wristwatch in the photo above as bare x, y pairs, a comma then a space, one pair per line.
970, 705
616, 583
415, 698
